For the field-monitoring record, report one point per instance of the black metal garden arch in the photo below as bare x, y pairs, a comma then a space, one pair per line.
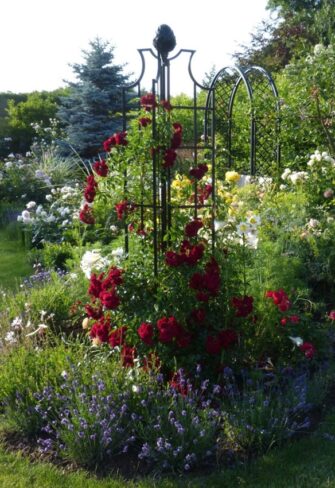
215, 121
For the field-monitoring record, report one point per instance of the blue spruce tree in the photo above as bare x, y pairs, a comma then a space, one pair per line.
90, 112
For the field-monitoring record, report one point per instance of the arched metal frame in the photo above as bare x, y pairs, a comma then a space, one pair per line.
217, 109
263, 101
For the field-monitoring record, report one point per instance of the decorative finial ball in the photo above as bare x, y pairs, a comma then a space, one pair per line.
164, 41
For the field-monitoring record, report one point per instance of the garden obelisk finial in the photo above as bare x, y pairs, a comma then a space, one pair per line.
165, 41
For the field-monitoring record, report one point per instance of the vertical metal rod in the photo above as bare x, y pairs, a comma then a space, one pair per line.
252, 144
163, 196
213, 156
195, 140
125, 176
154, 185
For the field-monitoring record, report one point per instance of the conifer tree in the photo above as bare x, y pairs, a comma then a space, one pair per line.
90, 112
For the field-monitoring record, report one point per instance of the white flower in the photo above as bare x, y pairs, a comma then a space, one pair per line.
51, 218
92, 260
297, 340
298, 176
17, 323
253, 220
313, 223
286, 173
113, 229
219, 224
10, 337
244, 180
243, 228
251, 240
39, 210
8, 165
318, 49
48, 197
118, 253
26, 217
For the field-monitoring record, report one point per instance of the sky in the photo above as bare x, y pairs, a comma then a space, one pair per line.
40, 38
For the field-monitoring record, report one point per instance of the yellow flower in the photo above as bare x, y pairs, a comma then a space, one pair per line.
180, 183
232, 176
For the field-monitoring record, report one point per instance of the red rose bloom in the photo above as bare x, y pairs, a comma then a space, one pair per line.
90, 180
118, 139
169, 158
95, 286
148, 101
166, 105
191, 254
117, 337
93, 313
101, 168
100, 330
199, 172
109, 299
280, 299
114, 278
173, 259
86, 215
192, 228
168, 329
121, 209
146, 332
196, 281
308, 348
144, 121
243, 305
176, 140
177, 127
89, 193
294, 319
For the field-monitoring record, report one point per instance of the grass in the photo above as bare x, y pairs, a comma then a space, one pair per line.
13, 257
306, 463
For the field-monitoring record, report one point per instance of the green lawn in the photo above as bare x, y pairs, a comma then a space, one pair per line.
308, 463
13, 257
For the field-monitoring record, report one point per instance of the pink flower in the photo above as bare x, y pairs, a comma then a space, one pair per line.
331, 315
